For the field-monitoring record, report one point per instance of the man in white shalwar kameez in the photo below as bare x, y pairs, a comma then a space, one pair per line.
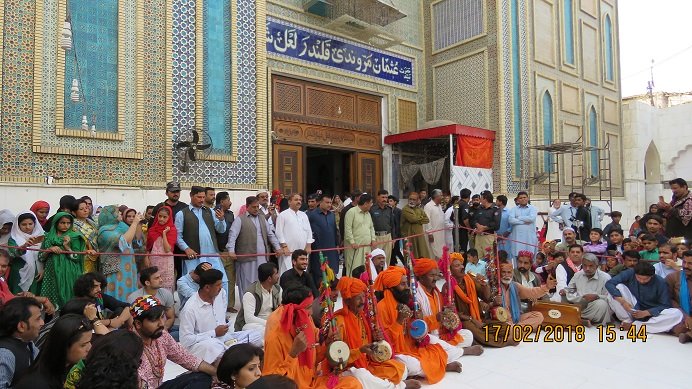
433, 210
203, 327
293, 231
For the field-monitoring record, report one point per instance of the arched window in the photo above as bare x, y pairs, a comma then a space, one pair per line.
548, 130
567, 9
593, 141
609, 70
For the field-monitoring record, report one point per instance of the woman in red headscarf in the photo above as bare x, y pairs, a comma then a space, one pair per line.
41, 210
161, 238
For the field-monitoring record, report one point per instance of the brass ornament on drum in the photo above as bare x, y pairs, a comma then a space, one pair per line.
338, 354
382, 351
449, 320
499, 314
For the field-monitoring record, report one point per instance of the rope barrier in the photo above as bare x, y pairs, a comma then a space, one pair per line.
378, 243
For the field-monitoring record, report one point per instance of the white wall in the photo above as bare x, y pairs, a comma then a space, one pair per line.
18, 198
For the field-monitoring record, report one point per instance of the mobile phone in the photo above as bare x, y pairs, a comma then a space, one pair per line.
660, 198
38, 239
217, 208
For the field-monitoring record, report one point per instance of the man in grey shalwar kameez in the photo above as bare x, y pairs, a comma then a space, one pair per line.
587, 289
250, 234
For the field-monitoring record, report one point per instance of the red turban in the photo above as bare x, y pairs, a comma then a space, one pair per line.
350, 287
389, 277
423, 266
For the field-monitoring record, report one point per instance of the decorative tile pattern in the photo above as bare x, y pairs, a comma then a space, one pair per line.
244, 171
460, 91
217, 73
95, 37
19, 163
476, 179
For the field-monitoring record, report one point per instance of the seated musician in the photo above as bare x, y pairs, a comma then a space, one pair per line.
587, 289
423, 360
468, 290
523, 273
293, 350
358, 334
431, 303
680, 291
641, 297
514, 292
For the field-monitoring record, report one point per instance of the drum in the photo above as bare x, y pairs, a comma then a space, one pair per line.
558, 313
419, 329
449, 320
382, 351
338, 354
499, 314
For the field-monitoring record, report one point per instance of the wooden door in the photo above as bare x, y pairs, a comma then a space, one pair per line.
368, 172
288, 168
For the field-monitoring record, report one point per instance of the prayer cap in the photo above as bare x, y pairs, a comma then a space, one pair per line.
377, 252
143, 304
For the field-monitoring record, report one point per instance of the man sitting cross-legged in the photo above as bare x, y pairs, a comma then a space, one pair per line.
357, 333
680, 290
429, 361
514, 292
203, 326
641, 297
587, 289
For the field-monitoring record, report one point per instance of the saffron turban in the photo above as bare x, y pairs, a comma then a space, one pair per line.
423, 266
456, 257
350, 287
389, 278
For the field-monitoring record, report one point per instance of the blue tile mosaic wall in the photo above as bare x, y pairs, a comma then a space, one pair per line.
95, 37
217, 73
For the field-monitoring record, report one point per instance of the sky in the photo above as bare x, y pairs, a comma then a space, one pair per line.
658, 30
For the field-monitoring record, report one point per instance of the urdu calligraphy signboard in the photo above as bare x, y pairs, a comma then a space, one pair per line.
286, 39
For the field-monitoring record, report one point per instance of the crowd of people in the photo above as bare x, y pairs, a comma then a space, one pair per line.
103, 296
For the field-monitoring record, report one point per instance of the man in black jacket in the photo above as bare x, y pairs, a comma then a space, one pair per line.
20, 323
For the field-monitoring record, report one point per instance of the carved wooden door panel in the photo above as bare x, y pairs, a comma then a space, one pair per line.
288, 168
368, 172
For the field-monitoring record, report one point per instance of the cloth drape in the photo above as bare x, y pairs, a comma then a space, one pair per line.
430, 171
474, 152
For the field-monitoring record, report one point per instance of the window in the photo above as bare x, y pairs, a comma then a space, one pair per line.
609, 70
516, 88
593, 141
548, 130
456, 21
567, 9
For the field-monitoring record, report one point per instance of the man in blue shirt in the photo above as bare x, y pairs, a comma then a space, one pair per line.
188, 284
197, 230
640, 297
323, 225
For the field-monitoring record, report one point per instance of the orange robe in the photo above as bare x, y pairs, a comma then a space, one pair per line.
433, 358
435, 301
356, 333
277, 359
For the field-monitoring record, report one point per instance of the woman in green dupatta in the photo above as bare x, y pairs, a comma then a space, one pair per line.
116, 237
61, 269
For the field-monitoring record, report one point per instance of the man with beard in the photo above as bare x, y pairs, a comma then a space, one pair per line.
413, 218
640, 297
429, 361
472, 297
432, 303
514, 292
523, 273
680, 290
587, 289
679, 211
159, 346
298, 273
209, 197
357, 333
294, 348
91, 286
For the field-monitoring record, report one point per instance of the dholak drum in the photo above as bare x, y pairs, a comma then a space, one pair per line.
449, 320
499, 314
419, 329
382, 351
338, 354
558, 313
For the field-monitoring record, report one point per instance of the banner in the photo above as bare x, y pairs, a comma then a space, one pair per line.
289, 40
474, 152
